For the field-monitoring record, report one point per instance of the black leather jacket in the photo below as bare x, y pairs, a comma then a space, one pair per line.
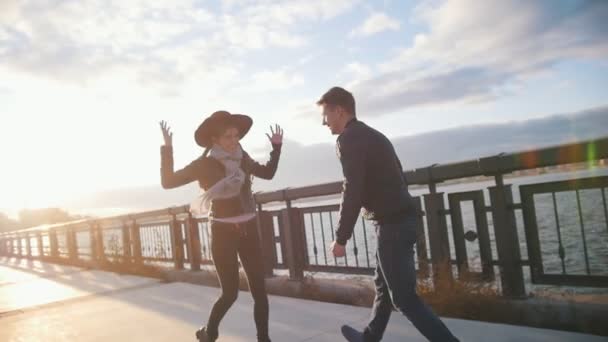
208, 171
373, 179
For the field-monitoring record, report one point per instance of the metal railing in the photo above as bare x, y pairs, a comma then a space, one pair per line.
480, 232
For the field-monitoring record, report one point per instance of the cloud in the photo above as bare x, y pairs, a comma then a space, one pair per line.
375, 23
358, 70
274, 80
395, 91
472, 50
302, 165
287, 13
163, 45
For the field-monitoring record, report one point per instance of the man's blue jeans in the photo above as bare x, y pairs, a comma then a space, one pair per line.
395, 282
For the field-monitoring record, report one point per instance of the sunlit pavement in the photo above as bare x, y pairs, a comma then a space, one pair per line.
45, 302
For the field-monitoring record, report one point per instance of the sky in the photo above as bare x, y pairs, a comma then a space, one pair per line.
84, 83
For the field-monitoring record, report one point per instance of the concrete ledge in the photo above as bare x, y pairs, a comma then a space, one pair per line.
585, 317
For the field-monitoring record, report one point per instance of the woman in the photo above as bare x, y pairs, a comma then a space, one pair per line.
224, 171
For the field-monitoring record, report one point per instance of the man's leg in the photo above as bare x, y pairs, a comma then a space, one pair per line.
381, 310
396, 256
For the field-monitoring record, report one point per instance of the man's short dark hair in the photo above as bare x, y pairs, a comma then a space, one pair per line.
338, 96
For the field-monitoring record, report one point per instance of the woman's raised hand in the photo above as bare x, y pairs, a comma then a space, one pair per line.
167, 134
276, 135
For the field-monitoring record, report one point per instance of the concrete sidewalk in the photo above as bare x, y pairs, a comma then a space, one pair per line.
44, 302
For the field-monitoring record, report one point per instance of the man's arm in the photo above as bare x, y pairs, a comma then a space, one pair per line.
352, 154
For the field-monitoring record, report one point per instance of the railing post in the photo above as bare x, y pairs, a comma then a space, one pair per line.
292, 229
72, 244
53, 243
438, 239
439, 242
421, 248
126, 242
267, 241
40, 245
177, 243
505, 229
194, 243
101, 251
507, 241
28, 245
136, 243
94, 245
19, 251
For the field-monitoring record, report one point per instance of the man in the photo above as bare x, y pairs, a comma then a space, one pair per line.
373, 179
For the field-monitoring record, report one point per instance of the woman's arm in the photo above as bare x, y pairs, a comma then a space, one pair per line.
168, 178
268, 170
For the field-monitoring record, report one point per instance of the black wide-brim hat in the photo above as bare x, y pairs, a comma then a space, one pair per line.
221, 118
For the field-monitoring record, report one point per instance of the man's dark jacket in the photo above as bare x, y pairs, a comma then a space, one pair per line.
373, 179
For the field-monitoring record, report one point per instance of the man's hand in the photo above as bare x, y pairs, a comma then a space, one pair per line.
337, 249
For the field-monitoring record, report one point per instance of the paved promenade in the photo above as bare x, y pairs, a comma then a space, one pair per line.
46, 302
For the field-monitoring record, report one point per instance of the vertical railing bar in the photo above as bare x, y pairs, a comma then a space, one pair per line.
158, 235
323, 237
605, 208
149, 247
333, 238
160, 244
208, 232
559, 235
167, 237
365, 240
201, 237
355, 249
142, 239
201, 229
170, 242
314, 239
332, 229
166, 242
152, 240
580, 216
153, 243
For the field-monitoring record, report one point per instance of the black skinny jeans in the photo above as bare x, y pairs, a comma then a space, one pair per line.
228, 241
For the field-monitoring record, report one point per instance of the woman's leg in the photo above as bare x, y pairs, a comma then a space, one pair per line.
251, 258
224, 244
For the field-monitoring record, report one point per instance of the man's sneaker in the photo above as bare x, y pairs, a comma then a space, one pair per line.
203, 336
351, 335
